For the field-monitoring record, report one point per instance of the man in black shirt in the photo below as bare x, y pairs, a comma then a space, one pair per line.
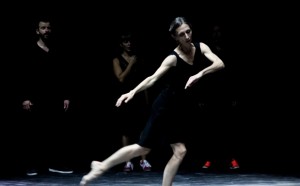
45, 101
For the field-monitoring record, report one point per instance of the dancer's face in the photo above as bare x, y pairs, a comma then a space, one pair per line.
183, 34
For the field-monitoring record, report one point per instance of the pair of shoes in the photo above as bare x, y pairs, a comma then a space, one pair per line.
206, 165
31, 172
61, 170
145, 165
128, 167
234, 164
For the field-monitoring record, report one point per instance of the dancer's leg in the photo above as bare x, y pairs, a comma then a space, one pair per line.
122, 155
179, 152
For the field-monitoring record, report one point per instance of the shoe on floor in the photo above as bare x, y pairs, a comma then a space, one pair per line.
31, 172
128, 167
234, 164
206, 165
145, 165
61, 170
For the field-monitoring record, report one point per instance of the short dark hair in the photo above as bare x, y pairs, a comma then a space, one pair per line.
126, 36
177, 22
42, 18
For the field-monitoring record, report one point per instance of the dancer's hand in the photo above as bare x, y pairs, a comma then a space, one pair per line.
192, 80
125, 98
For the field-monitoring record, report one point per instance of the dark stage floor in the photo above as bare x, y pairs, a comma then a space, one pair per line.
154, 179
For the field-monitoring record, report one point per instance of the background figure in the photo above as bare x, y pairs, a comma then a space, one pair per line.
185, 67
222, 98
45, 99
129, 69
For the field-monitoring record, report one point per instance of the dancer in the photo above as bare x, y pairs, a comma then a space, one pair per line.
186, 66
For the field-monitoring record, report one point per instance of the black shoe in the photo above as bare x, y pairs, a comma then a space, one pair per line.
31, 172
61, 170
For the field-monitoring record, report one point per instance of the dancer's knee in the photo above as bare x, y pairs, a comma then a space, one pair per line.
142, 150
146, 151
179, 150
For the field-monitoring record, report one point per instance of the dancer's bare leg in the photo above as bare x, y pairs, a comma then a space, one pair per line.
179, 152
122, 155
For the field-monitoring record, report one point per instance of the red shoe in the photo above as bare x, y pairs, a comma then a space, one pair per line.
234, 164
206, 165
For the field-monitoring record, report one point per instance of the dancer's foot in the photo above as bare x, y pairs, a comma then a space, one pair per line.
95, 172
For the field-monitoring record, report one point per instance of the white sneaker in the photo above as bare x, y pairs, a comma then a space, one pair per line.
128, 167
145, 165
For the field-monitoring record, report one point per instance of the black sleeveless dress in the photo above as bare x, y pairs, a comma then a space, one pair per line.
171, 109
130, 118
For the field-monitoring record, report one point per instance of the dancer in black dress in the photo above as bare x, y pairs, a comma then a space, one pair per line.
186, 66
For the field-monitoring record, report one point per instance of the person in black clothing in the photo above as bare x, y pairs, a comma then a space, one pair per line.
128, 70
225, 104
45, 101
172, 106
